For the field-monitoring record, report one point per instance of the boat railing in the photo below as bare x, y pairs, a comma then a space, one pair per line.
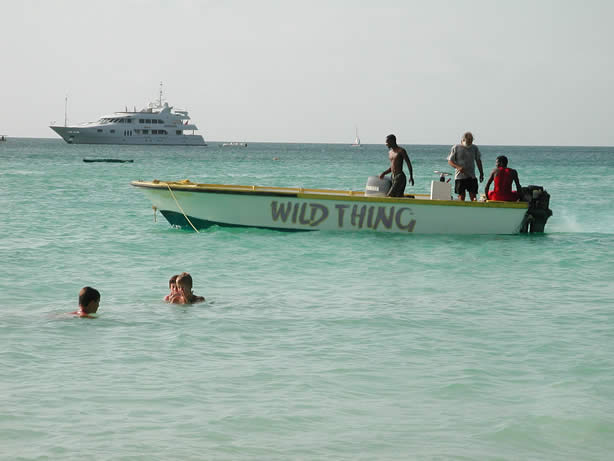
186, 184
302, 192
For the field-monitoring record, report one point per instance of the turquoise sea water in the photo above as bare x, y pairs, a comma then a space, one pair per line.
310, 345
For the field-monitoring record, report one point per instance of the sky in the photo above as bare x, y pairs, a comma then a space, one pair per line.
518, 72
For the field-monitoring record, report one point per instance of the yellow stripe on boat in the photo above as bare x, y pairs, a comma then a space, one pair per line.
324, 194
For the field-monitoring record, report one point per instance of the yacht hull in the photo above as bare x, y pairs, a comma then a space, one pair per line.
85, 135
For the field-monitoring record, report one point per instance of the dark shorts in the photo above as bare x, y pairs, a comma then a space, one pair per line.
468, 184
399, 181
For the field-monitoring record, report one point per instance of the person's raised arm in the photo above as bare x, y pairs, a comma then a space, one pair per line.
176, 299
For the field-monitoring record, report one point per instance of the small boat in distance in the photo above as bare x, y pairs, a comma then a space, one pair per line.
199, 206
356, 140
234, 144
157, 124
107, 160
2, 137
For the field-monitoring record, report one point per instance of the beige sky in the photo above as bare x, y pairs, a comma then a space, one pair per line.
513, 72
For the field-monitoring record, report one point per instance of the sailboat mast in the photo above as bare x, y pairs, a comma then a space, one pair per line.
66, 110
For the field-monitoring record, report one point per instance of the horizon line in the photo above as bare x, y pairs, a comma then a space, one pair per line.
338, 143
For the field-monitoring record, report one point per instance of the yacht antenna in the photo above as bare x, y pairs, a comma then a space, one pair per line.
66, 110
160, 103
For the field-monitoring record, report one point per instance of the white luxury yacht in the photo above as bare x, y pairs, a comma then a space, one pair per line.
158, 124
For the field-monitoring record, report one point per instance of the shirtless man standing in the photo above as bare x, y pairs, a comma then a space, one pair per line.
396, 155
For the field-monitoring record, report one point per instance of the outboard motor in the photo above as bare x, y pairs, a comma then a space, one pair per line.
538, 212
377, 187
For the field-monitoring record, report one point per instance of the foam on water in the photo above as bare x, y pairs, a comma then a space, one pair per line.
310, 345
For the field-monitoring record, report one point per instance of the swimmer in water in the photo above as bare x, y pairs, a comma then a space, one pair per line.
89, 300
172, 285
184, 291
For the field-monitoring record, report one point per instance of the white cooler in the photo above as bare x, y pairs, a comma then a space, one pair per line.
441, 190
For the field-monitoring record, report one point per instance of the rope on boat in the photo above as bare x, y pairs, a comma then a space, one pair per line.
155, 210
179, 206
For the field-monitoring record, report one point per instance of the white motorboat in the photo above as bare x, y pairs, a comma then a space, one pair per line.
199, 206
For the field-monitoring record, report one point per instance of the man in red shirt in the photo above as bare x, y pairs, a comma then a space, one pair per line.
503, 178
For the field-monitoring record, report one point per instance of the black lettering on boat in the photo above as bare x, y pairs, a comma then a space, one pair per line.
280, 210
410, 225
315, 207
358, 215
294, 213
340, 213
301, 217
370, 217
381, 217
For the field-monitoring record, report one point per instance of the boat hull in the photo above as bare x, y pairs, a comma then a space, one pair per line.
88, 135
190, 205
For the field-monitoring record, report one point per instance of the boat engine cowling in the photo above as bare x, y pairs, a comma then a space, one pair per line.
377, 187
538, 212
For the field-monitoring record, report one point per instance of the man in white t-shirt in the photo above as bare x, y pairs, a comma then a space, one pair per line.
463, 158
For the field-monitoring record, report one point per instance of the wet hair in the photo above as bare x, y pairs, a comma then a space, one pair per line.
468, 137
184, 279
392, 138
87, 295
172, 280
502, 159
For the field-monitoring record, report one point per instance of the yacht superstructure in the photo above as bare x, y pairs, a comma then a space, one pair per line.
157, 124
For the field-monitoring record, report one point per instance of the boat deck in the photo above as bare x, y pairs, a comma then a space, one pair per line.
322, 194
